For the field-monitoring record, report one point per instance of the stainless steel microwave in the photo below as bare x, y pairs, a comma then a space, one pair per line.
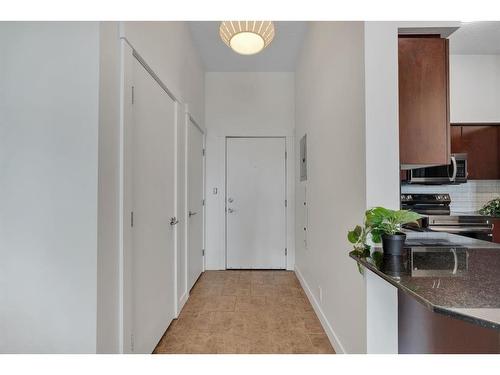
453, 173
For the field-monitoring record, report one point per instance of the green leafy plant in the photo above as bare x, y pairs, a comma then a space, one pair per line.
378, 220
492, 208
358, 237
385, 221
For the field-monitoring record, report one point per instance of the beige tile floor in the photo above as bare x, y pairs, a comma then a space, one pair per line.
246, 312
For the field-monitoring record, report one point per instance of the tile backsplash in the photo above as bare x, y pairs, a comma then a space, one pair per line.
468, 197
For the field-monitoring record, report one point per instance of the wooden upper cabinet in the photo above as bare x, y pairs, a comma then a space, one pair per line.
481, 143
424, 126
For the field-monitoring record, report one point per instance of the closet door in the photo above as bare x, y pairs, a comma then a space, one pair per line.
152, 201
195, 203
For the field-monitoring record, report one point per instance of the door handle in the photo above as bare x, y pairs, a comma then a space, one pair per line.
230, 200
191, 213
230, 210
173, 221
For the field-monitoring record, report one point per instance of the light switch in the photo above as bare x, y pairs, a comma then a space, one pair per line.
215, 191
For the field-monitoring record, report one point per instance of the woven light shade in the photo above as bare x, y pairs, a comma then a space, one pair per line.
247, 37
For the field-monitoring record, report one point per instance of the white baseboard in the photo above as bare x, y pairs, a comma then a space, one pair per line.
182, 302
334, 340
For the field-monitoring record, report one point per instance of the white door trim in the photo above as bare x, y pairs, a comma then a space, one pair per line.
128, 54
125, 204
290, 200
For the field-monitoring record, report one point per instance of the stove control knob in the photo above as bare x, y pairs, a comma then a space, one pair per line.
408, 197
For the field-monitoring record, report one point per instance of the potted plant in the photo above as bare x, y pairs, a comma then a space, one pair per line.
386, 225
358, 238
382, 225
492, 208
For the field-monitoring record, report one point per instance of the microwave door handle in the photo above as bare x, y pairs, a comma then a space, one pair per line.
454, 175
455, 259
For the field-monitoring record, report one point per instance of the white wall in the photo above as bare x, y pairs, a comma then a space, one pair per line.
330, 96
49, 76
59, 168
382, 170
382, 159
108, 253
243, 104
168, 49
474, 88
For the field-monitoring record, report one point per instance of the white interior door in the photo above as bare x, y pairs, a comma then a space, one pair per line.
153, 194
255, 203
195, 203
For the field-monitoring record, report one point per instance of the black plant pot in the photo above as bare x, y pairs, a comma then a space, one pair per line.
394, 265
393, 244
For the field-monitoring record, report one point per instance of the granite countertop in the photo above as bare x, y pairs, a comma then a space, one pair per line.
449, 274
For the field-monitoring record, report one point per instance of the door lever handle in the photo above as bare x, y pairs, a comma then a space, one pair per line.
173, 221
230, 210
191, 213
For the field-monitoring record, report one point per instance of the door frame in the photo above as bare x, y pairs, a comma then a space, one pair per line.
287, 195
125, 329
189, 119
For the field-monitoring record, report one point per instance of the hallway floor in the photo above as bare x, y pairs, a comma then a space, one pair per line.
246, 312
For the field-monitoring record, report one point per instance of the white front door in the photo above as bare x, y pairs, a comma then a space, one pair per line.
152, 199
195, 203
255, 203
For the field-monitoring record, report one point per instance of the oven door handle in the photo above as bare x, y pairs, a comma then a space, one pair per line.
453, 229
454, 175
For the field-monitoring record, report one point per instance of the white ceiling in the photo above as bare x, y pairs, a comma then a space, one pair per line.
476, 38
280, 56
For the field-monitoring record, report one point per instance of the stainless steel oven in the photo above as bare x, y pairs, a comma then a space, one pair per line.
436, 208
453, 173
478, 227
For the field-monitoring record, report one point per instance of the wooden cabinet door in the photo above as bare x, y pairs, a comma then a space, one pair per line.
481, 143
456, 139
424, 134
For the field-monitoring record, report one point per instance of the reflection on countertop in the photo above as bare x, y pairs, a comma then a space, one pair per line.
448, 239
450, 274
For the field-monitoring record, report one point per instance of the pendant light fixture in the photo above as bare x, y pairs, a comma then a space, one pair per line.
247, 37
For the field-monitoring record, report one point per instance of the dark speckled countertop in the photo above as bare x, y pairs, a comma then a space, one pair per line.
450, 274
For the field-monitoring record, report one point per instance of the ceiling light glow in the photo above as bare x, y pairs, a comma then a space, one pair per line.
247, 37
